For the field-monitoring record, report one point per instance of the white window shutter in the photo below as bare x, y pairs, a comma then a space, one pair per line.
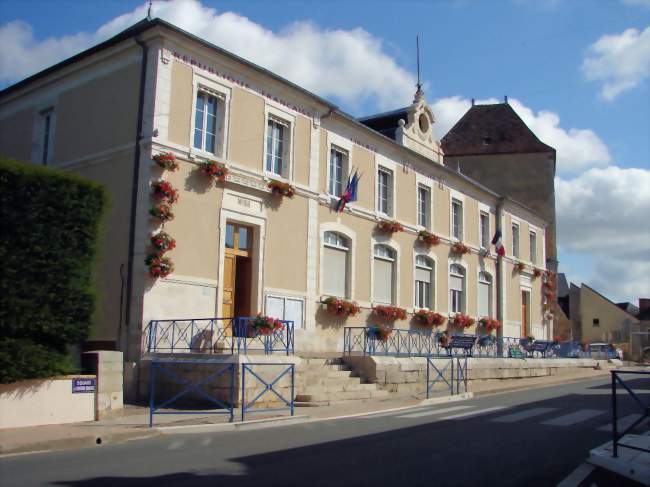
383, 285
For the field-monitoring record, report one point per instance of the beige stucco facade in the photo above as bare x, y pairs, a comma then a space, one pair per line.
287, 234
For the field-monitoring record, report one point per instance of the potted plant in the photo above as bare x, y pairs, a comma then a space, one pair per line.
214, 170
489, 323
162, 242
520, 266
265, 325
162, 211
444, 340
460, 320
537, 272
341, 307
164, 191
159, 266
166, 160
460, 248
390, 313
381, 333
428, 238
429, 318
281, 188
390, 226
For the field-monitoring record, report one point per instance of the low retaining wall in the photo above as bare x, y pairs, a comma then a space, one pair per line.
45, 401
407, 375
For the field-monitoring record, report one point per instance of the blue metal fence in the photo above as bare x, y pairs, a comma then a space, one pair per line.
440, 375
164, 368
269, 387
643, 405
426, 343
215, 335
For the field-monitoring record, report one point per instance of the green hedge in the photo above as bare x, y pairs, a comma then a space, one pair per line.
49, 232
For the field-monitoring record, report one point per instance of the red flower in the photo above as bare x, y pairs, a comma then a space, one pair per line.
390, 227
460, 249
166, 161
389, 312
428, 238
281, 189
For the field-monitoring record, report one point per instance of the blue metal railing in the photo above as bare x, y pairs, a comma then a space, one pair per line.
645, 408
426, 343
269, 387
215, 335
457, 367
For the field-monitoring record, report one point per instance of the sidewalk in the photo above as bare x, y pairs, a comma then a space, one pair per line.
133, 421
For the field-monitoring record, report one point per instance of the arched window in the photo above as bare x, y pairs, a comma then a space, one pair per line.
456, 289
384, 275
424, 280
484, 294
335, 264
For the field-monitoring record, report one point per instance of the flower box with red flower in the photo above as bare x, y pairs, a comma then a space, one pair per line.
166, 160
537, 272
429, 318
214, 169
281, 188
165, 191
520, 266
381, 333
390, 313
162, 212
428, 238
489, 323
460, 248
341, 307
461, 320
265, 325
390, 227
162, 242
159, 266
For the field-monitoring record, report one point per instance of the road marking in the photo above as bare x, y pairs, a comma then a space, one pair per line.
206, 441
433, 411
473, 413
622, 423
574, 418
530, 413
381, 415
176, 444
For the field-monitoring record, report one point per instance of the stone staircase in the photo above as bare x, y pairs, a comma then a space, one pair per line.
325, 381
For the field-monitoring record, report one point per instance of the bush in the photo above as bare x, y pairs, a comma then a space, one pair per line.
49, 227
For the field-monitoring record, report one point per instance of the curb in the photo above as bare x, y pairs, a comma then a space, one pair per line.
535, 386
239, 425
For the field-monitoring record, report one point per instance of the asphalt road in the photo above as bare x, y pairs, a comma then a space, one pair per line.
533, 437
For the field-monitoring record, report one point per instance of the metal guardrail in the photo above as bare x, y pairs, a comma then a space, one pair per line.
215, 335
426, 343
457, 367
616, 436
247, 369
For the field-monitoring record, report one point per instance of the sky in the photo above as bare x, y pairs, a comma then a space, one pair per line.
576, 71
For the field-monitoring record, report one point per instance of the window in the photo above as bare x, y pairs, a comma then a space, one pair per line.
485, 230
457, 219
533, 247
484, 294
277, 145
336, 171
335, 264
47, 119
286, 308
385, 191
384, 274
515, 240
456, 288
207, 123
596, 321
424, 207
423, 282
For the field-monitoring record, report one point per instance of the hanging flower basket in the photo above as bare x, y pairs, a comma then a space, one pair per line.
214, 170
265, 325
381, 333
390, 227
162, 242
537, 272
281, 188
162, 211
390, 313
460, 248
461, 320
489, 323
167, 161
429, 318
341, 307
164, 191
428, 238
159, 266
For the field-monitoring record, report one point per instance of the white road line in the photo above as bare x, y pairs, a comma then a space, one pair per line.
473, 413
621, 423
574, 418
381, 415
206, 441
529, 413
176, 444
434, 411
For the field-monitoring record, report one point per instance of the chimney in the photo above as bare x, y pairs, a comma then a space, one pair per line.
505, 99
472, 101
644, 304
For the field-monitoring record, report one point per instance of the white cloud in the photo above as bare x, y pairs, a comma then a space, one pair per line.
620, 61
577, 149
349, 65
604, 213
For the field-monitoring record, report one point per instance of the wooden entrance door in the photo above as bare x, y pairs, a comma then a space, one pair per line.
525, 313
237, 271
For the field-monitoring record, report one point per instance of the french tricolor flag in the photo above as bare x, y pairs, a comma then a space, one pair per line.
496, 241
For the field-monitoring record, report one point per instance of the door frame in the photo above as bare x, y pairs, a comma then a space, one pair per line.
526, 325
